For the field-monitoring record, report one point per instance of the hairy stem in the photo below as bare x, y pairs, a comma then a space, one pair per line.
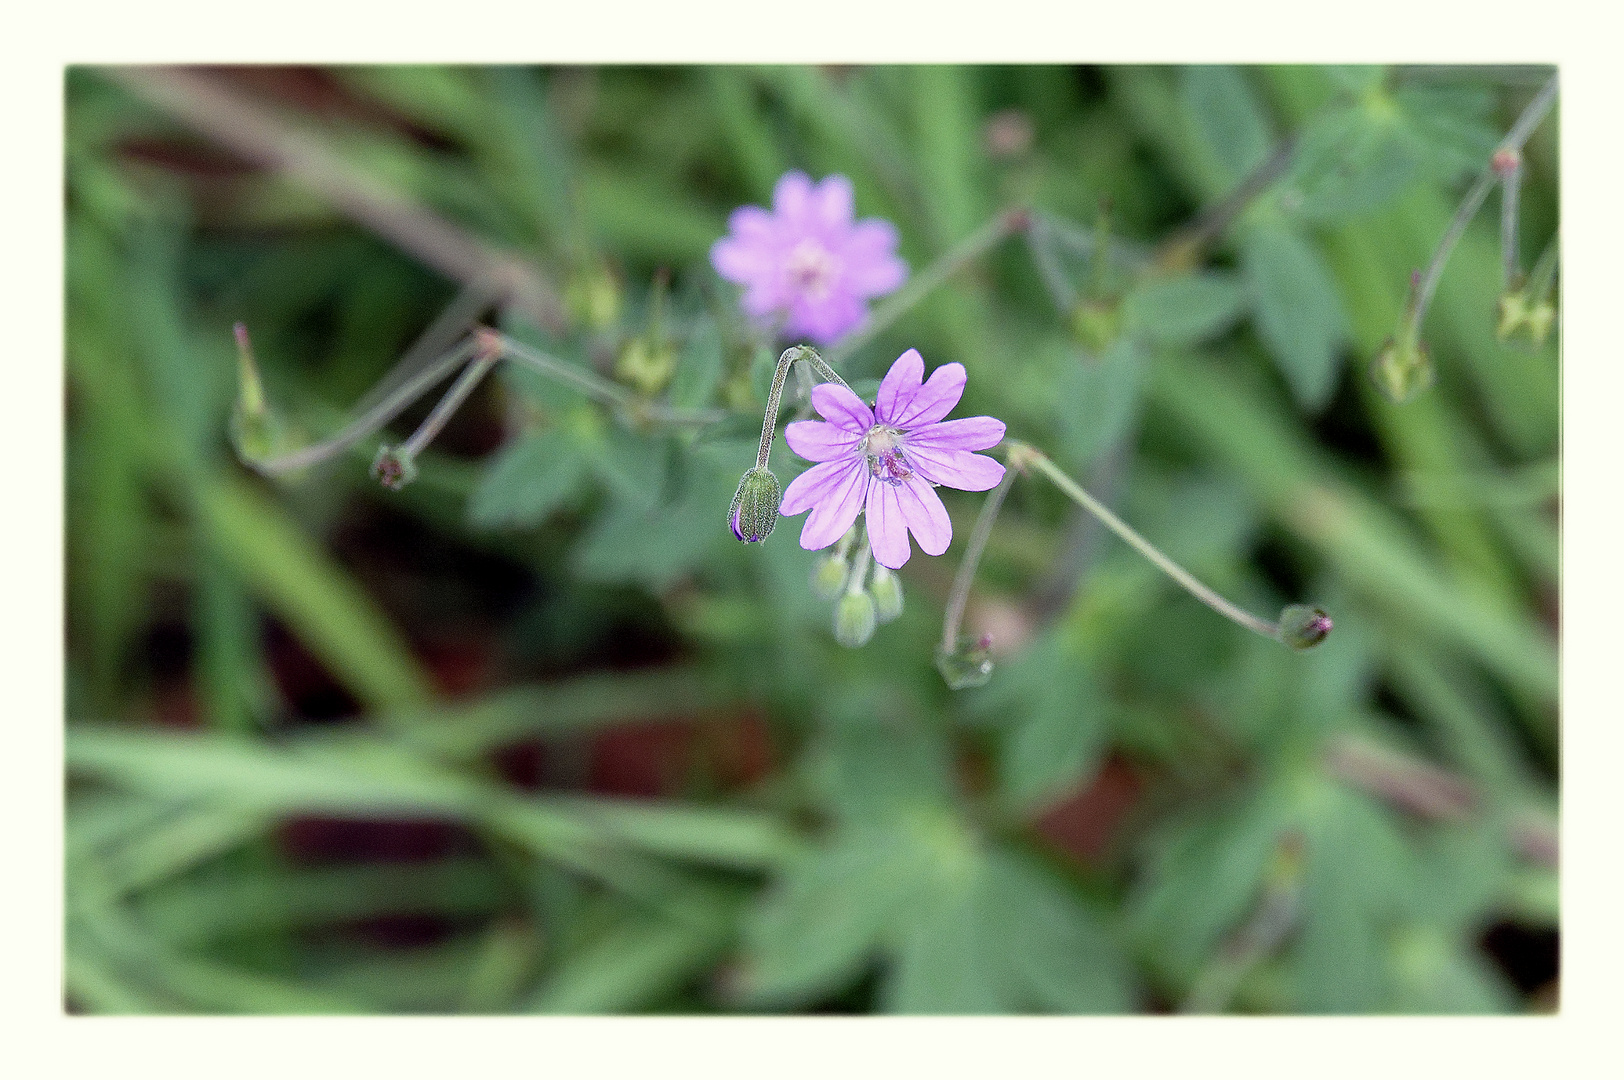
960, 595
1167, 566
808, 356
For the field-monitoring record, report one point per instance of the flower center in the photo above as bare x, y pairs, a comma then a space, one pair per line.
882, 446
812, 269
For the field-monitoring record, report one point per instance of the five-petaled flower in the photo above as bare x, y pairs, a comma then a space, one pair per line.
807, 260
886, 461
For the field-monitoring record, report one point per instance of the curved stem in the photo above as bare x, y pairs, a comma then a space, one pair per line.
1513, 144
436, 420
808, 356
960, 595
373, 419
1191, 584
859, 569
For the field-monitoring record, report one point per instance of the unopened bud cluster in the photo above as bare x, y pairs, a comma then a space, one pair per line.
866, 596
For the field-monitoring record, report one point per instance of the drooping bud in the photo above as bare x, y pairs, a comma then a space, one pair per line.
854, 619
1303, 627
1402, 369
393, 469
829, 576
755, 505
887, 589
968, 664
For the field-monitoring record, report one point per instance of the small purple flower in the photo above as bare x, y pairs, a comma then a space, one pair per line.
807, 260
887, 461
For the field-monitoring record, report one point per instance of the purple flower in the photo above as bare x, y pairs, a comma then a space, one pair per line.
807, 260
886, 461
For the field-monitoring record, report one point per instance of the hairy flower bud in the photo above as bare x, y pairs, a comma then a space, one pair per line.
755, 505
887, 589
1304, 627
829, 576
854, 619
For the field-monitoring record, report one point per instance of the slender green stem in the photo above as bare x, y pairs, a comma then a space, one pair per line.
1184, 245
454, 397
1543, 276
966, 251
1512, 144
1509, 191
859, 569
960, 595
601, 389
1167, 566
808, 356
373, 419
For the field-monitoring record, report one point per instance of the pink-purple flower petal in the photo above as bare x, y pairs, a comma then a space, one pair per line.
816, 440
970, 433
887, 526
934, 400
838, 405
833, 202
926, 516
955, 468
900, 385
814, 485
792, 196
834, 514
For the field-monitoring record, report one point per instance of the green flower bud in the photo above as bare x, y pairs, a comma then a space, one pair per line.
854, 619
1402, 370
829, 576
1304, 627
755, 506
887, 589
392, 469
968, 664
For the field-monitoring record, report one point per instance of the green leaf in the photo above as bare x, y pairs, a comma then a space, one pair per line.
1098, 400
813, 930
1055, 716
1205, 871
527, 481
1298, 311
1450, 127
699, 366
1352, 887
946, 956
633, 465
1351, 161
1059, 957
1184, 310
638, 960
1227, 117
317, 598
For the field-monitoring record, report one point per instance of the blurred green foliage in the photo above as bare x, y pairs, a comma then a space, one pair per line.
536, 734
